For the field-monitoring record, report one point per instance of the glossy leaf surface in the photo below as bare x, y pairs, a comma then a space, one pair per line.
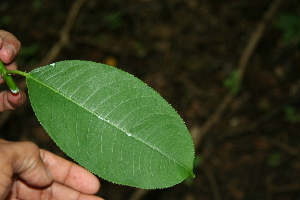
112, 123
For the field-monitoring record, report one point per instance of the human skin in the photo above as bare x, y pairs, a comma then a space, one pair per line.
28, 172
9, 48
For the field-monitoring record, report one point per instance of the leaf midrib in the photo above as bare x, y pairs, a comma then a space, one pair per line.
29, 76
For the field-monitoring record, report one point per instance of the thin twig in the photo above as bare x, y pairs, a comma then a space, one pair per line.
285, 147
243, 63
256, 36
64, 34
212, 183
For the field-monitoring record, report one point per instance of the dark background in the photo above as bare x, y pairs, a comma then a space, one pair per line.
246, 129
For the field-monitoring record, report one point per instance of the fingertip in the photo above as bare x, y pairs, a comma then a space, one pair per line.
16, 99
83, 180
10, 101
94, 186
9, 46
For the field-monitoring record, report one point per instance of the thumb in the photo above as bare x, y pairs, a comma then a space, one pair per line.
23, 159
29, 165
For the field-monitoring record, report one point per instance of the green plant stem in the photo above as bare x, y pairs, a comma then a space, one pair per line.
9, 72
8, 79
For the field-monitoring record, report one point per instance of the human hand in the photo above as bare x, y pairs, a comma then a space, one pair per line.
9, 48
28, 172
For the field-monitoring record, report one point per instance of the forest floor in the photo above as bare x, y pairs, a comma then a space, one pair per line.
229, 67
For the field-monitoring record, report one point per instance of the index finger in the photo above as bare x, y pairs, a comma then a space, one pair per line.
70, 174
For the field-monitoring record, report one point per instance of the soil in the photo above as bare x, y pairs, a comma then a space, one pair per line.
187, 50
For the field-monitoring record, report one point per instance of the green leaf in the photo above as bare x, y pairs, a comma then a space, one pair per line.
112, 123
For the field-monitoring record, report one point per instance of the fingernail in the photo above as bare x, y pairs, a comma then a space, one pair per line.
11, 50
16, 94
1, 42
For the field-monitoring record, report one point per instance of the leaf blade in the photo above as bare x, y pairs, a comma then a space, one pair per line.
117, 119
